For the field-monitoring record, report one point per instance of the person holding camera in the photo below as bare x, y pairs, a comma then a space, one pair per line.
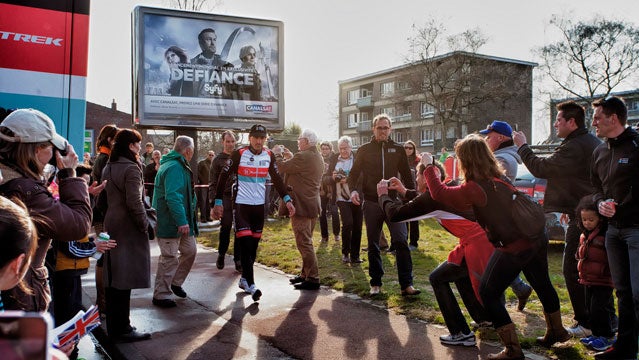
28, 142
340, 167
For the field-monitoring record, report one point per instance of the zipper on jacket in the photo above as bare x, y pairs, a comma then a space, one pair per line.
383, 163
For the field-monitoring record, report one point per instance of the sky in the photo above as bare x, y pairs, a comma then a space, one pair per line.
326, 41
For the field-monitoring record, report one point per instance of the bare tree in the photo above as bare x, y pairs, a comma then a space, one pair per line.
194, 5
591, 58
452, 77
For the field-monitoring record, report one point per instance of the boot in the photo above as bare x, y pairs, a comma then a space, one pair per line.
512, 351
555, 331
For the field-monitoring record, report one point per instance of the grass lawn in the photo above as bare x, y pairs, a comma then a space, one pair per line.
277, 249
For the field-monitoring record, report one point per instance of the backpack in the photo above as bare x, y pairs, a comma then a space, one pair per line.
528, 216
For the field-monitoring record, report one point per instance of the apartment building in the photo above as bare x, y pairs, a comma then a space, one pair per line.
436, 101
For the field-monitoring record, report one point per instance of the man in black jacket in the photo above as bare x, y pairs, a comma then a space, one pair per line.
382, 158
226, 222
568, 174
615, 176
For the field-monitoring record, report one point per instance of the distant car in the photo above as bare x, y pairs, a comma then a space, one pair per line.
536, 188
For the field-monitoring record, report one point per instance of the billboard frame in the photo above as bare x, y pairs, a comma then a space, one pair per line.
241, 113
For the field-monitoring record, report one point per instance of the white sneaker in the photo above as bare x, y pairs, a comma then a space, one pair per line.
256, 294
375, 290
578, 331
244, 285
458, 339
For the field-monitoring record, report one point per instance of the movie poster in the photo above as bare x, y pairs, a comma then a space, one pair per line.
203, 70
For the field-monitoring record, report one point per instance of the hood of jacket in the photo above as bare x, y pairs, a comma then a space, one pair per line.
509, 151
7, 174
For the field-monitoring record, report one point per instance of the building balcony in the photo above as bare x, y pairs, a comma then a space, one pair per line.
364, 126
365, 102
404, 117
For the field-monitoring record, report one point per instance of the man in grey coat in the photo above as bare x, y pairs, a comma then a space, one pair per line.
303, 173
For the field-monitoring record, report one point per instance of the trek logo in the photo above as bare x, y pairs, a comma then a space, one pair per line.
36, 39
260, 108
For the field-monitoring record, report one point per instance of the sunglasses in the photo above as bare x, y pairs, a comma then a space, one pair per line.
409, 147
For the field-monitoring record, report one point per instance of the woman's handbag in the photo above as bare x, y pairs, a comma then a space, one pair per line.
152, 218
528, 216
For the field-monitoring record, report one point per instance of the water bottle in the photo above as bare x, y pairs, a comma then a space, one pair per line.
102, 237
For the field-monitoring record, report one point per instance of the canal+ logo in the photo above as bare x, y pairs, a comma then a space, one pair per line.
260, 108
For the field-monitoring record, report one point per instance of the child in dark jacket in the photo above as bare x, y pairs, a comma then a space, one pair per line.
594, 274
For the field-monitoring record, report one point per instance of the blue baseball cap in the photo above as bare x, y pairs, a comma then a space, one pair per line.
500, 127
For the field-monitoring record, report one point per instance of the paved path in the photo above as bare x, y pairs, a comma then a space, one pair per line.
219, 321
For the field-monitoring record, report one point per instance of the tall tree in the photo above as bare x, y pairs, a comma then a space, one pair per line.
193, 5
591, 58
452, 77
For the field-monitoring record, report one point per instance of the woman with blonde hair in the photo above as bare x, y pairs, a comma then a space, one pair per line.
489, 192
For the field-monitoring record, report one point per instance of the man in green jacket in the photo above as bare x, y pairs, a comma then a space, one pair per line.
174, 199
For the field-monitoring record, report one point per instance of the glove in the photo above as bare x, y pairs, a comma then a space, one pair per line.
427, 158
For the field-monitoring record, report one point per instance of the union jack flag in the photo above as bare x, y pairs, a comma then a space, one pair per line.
89, 321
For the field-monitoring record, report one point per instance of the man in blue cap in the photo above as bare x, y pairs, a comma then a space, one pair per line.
499, 136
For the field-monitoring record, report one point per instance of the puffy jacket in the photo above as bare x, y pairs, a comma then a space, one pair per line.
379, 160
615, 175
592, 259
174, 196
567, 170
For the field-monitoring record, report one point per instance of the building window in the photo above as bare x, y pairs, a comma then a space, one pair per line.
438, 133
353, 95
464, 130
450, 132
403, 85
387, 89
399, 137
390, 111
352, 121
427, 109
426, 137
363, 117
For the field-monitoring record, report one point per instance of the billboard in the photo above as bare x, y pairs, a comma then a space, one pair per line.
206, 71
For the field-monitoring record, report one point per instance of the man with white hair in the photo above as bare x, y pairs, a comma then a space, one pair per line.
303, 172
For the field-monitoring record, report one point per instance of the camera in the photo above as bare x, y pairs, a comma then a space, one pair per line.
54, 159
340, 175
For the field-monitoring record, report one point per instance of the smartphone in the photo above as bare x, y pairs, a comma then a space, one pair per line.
24, 335
516, 127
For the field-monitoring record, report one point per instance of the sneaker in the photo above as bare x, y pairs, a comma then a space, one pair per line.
587, 340
474, 326
458, 339
256, 294
324, 239
178, 291
345, 259
337, 238
578, 331
601, 343
244, 285
375, 290
412, 247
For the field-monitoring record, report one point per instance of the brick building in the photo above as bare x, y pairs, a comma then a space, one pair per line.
436, 101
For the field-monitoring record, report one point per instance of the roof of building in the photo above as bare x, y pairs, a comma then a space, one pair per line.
450, 54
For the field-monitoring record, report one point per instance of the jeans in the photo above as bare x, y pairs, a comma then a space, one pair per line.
225, 229
328, 207
375, 217
352, 218
576, 291
413, 231
202, 194
602, 310
503, 267
440, 279
623, 257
